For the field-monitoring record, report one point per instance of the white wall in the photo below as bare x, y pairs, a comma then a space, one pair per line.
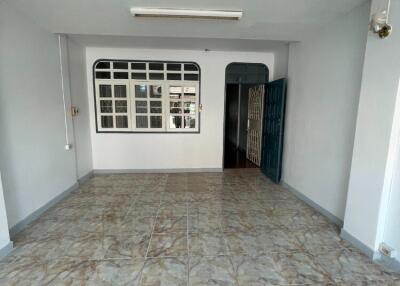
281, 56
79, 98
171, 151
4, 234
391, 230
369, 185
324, 85
33, 162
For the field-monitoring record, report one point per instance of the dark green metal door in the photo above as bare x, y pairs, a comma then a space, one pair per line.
273, 123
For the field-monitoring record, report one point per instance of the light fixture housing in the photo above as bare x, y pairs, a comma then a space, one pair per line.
186, 13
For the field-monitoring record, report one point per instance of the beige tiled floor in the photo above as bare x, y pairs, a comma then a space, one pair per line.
185, 229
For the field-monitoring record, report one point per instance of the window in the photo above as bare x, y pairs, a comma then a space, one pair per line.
112, 104
134, 96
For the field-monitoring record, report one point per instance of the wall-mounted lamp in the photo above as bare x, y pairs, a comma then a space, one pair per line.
379, 23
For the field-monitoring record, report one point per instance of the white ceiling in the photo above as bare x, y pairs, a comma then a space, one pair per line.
284, 20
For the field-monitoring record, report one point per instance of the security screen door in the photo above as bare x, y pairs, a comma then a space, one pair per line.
254, 124
274, 115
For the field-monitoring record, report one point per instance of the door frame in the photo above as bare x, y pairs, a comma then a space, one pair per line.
266, 80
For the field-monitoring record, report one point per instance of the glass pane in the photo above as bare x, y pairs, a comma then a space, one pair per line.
155, 107
105, 90
174, 76
174, 67
107, 122
137, 75
190, 67
175, 121
191, 77
156, 76
175, 107
189, 91
121, 75
156, 66
138, 66
141, 106
141, 91
120, 65
103, 65
106, 75
189, 107
190, 122
175, 92
121, 106
106, 106
141, 122
121, 121
119, 90
155, 121
155, 91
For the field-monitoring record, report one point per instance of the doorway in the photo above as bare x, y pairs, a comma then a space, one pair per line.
254, 119
244, 98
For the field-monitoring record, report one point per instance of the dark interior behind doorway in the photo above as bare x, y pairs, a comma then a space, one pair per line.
239, 78
236, 126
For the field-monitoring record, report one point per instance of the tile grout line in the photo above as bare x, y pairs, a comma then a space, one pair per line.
151, 236
188, 240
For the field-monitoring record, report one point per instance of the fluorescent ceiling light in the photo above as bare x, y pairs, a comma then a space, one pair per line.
186, 13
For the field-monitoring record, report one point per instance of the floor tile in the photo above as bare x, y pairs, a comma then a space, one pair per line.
231, 228
244, 243
216, 270
166, 245
207, 244
118, 272
347, 266
173, 209
165, 272
171, 224
87, 247
260, 270
123, 246
301, 268
204, 223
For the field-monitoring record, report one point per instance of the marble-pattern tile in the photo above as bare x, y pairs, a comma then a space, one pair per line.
217, 270
89, 246
257, 270
300, 268
244, 243
125, 246
346, 266
173, 209
207, 244
165, 272
231, 228
171, 224
279, 240
118, 272
168, 245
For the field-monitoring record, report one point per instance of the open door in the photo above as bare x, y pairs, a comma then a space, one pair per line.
254, 124
273, 124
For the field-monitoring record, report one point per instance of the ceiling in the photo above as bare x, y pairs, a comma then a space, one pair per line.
282, 20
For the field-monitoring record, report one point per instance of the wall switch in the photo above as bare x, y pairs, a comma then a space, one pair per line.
387, 250
68, 147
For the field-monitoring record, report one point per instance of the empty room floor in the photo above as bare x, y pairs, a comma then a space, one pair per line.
185, 229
